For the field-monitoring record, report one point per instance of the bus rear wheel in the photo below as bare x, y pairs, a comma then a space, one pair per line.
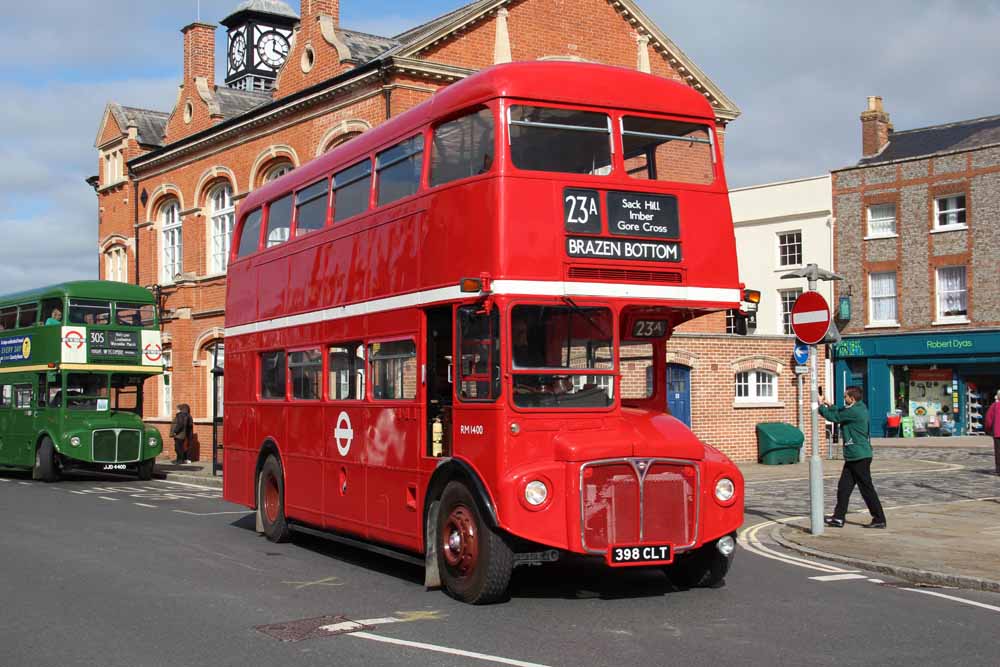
271, 501
145, 472
46, 468
474, 562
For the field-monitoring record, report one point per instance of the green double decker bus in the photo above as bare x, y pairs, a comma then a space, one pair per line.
73, 361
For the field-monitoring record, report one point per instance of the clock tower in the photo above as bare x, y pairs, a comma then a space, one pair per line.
259, 36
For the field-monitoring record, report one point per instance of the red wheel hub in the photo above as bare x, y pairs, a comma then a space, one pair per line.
460, 541
271, 498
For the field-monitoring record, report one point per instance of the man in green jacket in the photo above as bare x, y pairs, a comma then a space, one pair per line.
853, 420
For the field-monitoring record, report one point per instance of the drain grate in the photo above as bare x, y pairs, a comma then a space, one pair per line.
307, 628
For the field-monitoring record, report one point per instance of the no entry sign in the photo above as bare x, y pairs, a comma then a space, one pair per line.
810, 317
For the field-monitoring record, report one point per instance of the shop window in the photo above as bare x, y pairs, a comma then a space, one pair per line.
756, 386
882, 298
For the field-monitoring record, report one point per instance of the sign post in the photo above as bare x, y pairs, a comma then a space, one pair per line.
810, 322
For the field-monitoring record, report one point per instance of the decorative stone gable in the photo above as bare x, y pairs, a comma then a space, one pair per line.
317, 51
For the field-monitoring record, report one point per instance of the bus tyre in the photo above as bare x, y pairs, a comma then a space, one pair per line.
474, 562
703, 568
46, 469
271, 501
145, 472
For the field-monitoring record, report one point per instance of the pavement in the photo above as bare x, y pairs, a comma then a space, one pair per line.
196, 472
942, 502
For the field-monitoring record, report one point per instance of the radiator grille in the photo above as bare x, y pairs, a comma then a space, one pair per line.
638, 501
117, 445
624, 275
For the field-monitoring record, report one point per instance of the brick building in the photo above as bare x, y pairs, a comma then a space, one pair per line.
918, 240
297, 85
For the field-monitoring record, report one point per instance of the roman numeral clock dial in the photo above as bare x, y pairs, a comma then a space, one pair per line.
237, 52
272, 49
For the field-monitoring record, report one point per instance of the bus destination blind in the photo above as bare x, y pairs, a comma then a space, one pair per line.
114, 344
646, 251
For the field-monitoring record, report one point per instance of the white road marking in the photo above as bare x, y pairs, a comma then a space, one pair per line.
196, 486
106, 498
4, 479
79, 493
838, 577
952, 597
876, 581
211, 513
444, 649
748, 540
25, 483
145, 505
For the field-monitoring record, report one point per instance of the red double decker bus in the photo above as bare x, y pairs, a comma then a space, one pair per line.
446, 338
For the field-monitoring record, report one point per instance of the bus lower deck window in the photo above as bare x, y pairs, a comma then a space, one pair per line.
306, 370
560, 140
272, 375
394, 369
346, 369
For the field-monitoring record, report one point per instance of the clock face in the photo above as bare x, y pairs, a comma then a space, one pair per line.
272, 48
238, 51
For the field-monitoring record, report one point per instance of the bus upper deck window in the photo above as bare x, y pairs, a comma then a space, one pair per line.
89, 311
668, 150
279, 221
8, 318
52, 311
352, 190
399, 169
250, 236
134, 314
560, 140
463, 147
312, 205
27, 315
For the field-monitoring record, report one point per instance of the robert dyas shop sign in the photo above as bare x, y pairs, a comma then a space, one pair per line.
629, 214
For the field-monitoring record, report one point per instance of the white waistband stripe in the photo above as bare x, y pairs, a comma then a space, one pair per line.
710, 295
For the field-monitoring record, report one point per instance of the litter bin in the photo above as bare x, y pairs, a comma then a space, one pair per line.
778, 443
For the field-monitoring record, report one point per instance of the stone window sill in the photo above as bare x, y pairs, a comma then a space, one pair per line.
949, 228
876, 237
739, 405
882, 325
944, 323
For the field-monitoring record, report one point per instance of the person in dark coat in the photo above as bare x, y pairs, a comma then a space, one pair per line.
181, 430
993, 428
853, 420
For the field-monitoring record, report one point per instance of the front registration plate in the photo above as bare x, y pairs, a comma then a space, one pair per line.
640, 554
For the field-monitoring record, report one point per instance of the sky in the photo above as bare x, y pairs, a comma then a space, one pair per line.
799, 71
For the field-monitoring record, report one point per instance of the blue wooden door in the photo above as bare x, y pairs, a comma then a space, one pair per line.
679, 392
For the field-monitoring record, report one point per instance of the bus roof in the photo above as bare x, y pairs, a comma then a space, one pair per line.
84, 289
560, 82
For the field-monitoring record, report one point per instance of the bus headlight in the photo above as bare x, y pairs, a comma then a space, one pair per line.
75, 441
725, 490
535, 492
152, 442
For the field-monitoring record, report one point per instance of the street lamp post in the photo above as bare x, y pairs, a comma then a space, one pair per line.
814, 274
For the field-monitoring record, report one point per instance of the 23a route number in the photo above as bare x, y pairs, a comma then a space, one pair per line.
582, 210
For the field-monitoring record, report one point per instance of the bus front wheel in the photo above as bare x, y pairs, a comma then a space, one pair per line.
46, 468
703, 568
145, 472
474, 562
271, 501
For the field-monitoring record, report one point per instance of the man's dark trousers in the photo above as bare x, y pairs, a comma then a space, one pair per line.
858, 472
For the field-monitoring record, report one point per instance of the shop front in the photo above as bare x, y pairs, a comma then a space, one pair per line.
939, 384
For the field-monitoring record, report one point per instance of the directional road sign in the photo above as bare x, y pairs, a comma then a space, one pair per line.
800, 353
810, 317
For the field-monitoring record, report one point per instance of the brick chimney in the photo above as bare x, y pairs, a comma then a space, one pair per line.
199, 53
311, 9
875, 128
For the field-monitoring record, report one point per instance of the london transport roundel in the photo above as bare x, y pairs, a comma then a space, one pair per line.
810, 317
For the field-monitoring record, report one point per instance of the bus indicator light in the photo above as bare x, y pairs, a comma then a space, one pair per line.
471, 285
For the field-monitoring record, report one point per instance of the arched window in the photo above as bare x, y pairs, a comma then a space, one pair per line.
173, 248
222, 218
340, 141
116, 264
277, 171
215, 355
756, 386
